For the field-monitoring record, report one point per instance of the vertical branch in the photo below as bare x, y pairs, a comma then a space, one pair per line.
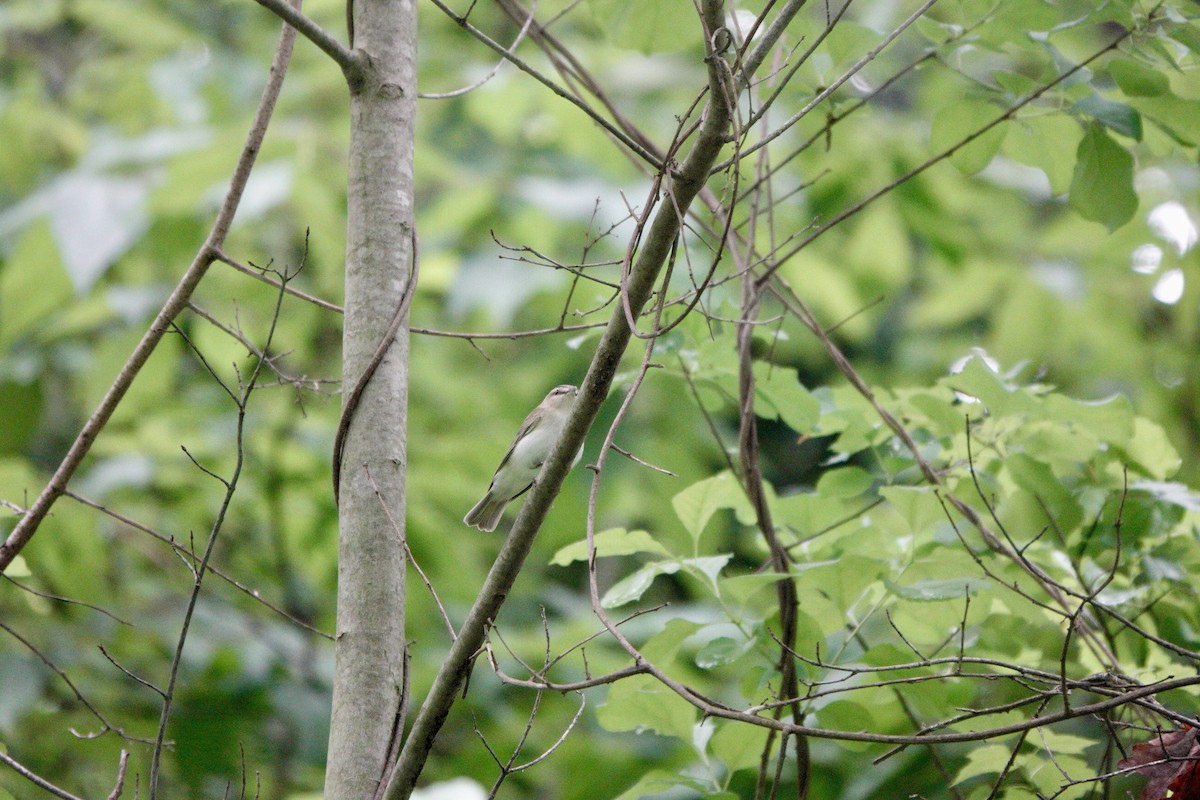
785, 588
368, 681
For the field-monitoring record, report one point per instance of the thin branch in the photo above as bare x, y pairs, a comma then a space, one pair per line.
492, 72
130, 674
184, 552
345, 58
621, 136
107, 726
350, 403
34, 778
68, 600
120, 785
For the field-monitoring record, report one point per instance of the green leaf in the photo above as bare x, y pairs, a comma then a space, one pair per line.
664, 645
642, 703
988, 759
1137, 80
918, 506
721, 651
1117, 116
612, 542
786, 396
658, 781
1178, 117
845, 482
847, 715
696, 504
708, 567
1109, 420
1047, 143
955, 123
33, 284
1186, 34
1058, 743
1102, 187
738, 745
1152, 451
18, 568
632, 587
979, 381
659, 27
1037, 478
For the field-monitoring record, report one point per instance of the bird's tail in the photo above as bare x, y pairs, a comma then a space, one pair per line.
486, 514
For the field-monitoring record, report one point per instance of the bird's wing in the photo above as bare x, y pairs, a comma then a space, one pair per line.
528, 426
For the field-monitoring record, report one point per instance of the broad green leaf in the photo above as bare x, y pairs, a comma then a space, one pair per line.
938, 407
845, 482
1063, 447
1109, 420
721, 651
977, 380
918, 506
847, 715
1116, 116
1037, 478
842, 580
1179, 118
790, 401
1137, 80
739, 746
657, 781
642, 703
1058, 742
33, 284
1151, 450
696, 504
664, 645
659, 27
708, 567
1048, 142
1187, 35
962, 120
612, 542
983, 759
632, 587
1102, 186
18, 568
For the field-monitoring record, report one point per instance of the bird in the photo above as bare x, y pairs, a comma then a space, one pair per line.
524, 459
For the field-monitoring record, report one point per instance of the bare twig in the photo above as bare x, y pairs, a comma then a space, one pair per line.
34, 778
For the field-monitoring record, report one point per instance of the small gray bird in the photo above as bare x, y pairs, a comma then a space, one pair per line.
524, 459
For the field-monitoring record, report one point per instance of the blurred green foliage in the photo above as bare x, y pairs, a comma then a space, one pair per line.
1058, 244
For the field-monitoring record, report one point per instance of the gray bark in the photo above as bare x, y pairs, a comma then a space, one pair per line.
371, 562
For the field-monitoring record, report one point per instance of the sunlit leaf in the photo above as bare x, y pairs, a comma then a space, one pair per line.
612, 542
960, 121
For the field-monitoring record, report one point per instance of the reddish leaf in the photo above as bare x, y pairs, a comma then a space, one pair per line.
1170, 764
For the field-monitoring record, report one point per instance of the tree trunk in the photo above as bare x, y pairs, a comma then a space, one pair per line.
379, 251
